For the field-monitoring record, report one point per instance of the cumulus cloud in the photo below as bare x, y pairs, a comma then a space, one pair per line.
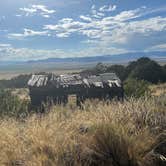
85, 18
27, 33
92, 27
130, 14
65, 27
28, 11
25, 54
43, 9
4, 45
63, 35
109, 8
2, 18
158, 47
105, 33
122, 30
38, 10
99, 13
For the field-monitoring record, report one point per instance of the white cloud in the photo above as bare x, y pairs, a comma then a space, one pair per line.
109, 8
129, 33
46, 16
43, 9
159, 47
91, 33
27, 33
4, 45
65, 27
63, 35
2, 18
121, 30
28, 10
85, 18
24, 54
90, 26
38, 10
18, 15
106, 34
95, 13
130, 14
93, 7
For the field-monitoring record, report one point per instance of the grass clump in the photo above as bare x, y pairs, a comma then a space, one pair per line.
115, 134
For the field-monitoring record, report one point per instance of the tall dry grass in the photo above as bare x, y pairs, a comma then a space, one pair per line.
114, 134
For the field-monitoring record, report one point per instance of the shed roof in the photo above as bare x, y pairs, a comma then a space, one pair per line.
74, 79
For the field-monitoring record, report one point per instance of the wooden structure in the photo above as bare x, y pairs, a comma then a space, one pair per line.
50, 87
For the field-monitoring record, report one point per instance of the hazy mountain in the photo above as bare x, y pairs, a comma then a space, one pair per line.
120, 58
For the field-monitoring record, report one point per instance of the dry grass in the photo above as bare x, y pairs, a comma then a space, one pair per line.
115, 134
158, 90
21, 93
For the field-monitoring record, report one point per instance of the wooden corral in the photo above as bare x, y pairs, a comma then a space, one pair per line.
56, 89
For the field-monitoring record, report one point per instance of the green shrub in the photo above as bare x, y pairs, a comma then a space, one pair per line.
12, 106
136, 88
148, 70
119, 70
143, 69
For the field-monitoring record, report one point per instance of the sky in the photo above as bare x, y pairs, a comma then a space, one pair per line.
41, 29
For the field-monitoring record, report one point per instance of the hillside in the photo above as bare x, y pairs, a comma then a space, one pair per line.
118, 134
100, 133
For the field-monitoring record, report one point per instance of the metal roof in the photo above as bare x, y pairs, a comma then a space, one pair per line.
74, 79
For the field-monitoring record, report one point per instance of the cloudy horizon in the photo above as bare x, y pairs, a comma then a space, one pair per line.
32, 30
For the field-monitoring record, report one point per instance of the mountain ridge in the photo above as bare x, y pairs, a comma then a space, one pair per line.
125, 57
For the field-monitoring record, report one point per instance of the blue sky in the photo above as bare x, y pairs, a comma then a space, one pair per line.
33, 29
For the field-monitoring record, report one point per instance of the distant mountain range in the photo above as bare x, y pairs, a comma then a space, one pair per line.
112, 59
73, 64
119, 58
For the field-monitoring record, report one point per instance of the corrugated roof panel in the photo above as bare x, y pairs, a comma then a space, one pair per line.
76, 79
108, 76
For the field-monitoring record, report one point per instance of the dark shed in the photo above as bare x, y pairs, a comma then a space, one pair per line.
50, 87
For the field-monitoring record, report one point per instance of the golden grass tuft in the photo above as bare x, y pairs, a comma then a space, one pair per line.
114, 134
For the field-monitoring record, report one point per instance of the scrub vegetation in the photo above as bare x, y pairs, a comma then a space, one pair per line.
102, 134
128, 133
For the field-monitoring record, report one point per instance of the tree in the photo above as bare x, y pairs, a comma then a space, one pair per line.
164, 71
135, 88
98, 69
148, 70
119, 70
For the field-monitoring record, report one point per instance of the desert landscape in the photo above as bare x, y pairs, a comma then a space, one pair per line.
111, 132
83, 83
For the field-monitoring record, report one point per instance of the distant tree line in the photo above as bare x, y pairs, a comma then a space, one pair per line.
142, 69
136, 76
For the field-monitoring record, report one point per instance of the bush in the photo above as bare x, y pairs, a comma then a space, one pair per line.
119, 70
136, 88
98, 69
142, 69
12, 106
149, 71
